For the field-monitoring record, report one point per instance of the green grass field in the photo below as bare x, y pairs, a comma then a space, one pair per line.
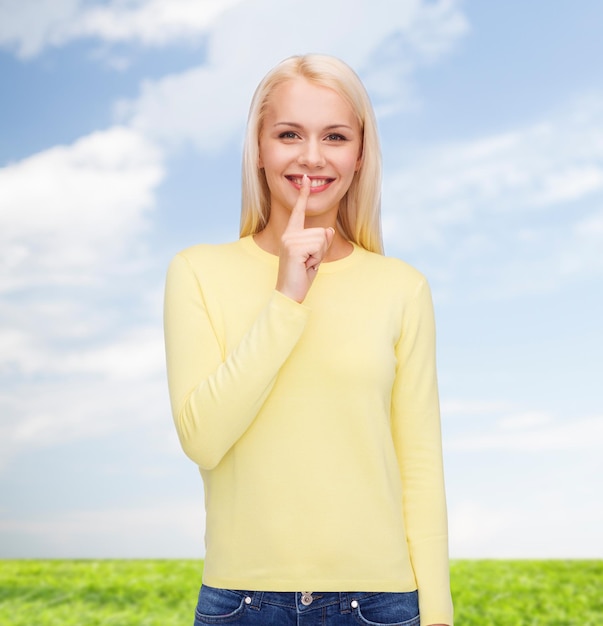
163, 593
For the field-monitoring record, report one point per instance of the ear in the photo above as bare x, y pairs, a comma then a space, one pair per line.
260, 161
358, 163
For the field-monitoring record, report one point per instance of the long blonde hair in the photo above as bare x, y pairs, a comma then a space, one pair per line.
359, 215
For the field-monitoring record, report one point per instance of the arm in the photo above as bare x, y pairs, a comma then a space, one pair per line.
417, 437
215, 397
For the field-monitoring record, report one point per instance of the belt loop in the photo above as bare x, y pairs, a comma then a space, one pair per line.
256, 600
344, 602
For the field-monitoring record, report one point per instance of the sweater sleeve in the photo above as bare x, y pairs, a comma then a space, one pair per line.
418, 441
215, 397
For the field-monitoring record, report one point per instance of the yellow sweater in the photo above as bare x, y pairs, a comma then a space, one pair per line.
315, 426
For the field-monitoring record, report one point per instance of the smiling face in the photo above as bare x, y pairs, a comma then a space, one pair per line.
308, 129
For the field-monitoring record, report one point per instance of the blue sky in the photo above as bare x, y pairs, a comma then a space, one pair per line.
120, 134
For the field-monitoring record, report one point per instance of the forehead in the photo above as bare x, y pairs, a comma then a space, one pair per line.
302, 99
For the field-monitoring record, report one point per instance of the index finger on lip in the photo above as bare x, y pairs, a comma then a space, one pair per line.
298, 213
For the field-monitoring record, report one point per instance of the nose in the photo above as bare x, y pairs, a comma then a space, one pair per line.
311, 154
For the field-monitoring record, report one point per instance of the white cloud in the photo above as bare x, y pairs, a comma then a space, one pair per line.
44, 413
169, 529
499, 426
548, 527
533, 432
520, 421
152, 23
523, 484
81, 347
137, 354
75, 372
199, 105
536, 191
580, 254
569, 184
436, 27
207, 105
29, 26
533, 168
70, 211
470, 408
473, 527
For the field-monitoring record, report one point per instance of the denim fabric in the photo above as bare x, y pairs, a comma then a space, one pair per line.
269, 608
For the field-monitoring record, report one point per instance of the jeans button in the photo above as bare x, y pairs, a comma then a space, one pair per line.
307, 598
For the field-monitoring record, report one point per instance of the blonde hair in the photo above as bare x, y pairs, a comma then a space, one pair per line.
359, 215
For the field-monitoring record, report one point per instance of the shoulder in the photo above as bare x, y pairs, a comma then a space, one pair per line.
394, 271
216, 259
205, 264
206, 252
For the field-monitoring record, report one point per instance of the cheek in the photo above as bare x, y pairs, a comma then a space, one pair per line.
272, 160
351, 164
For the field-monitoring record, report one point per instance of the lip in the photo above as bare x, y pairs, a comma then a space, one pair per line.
318, 183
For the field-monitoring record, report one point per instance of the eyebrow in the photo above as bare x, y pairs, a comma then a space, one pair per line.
330, 127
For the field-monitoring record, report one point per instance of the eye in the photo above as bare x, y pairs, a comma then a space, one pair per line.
287, 134
336, 137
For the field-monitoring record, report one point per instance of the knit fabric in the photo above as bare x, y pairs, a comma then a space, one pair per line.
315, 426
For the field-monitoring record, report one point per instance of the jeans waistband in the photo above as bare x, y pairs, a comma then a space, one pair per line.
293, 600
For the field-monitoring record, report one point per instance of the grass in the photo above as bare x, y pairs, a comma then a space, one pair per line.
163, 593
528, 593
91, 593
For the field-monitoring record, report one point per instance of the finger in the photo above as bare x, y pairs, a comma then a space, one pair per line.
298, 214
322, 244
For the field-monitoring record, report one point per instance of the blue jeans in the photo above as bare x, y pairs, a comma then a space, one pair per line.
272, 608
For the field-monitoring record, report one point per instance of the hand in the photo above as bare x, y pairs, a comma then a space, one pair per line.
302, 250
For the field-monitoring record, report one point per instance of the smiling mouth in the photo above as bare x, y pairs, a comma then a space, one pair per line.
314, 182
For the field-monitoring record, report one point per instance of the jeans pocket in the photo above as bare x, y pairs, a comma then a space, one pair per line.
388, 609
219, 606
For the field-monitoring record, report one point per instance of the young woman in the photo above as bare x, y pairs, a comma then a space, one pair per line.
301, 368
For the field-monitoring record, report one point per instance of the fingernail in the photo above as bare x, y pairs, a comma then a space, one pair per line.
331, 229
